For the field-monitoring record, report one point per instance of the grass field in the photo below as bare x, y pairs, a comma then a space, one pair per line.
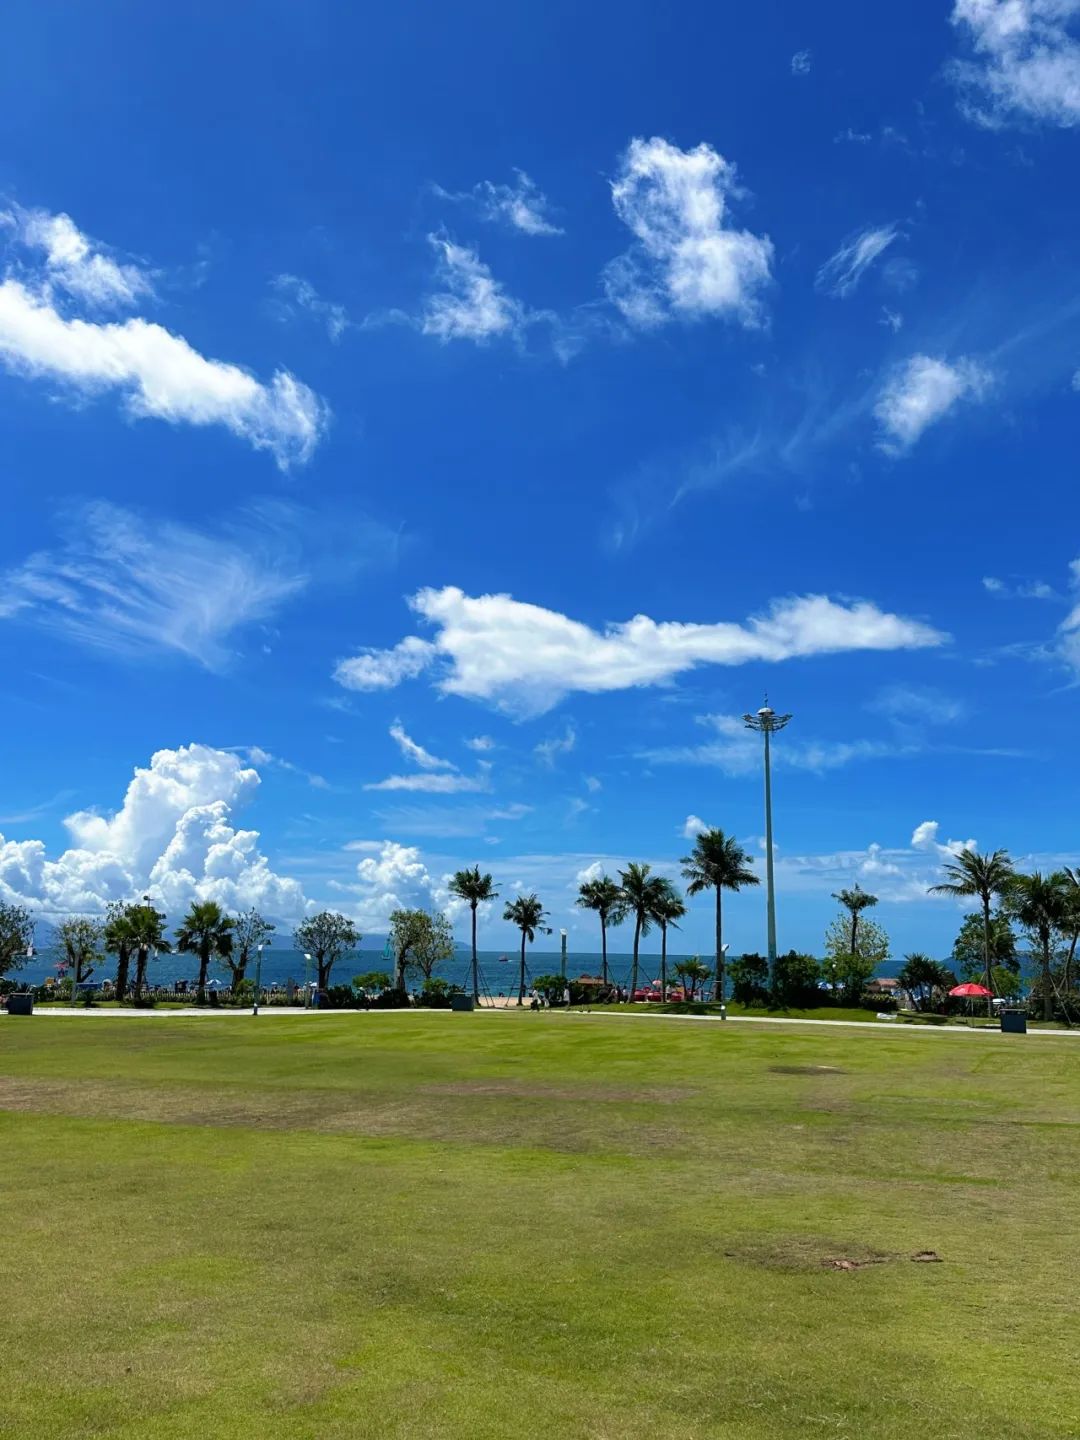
435, 1225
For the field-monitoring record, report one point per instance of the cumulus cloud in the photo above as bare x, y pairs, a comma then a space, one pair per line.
1024, 63
395, 877
473, 306
156, 373
481, 744
74, 263
133, 585
522, 206
687, 262
801, 62
841, 273
172, 837
524, 658
925, 837
693, 826
923, 391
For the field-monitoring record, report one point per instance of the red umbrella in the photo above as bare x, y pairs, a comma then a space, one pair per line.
970, 990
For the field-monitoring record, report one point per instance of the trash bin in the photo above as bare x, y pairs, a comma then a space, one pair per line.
461, 1002
1014, 1022
21, 1004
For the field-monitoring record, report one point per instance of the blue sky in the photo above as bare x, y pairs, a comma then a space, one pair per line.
364, 374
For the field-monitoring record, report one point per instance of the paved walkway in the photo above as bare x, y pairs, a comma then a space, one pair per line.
869, 1027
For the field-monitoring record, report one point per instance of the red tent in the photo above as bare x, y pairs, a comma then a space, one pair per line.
970, 990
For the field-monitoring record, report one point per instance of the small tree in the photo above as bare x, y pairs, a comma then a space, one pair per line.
147, 932
80, 940
377, 980
973, 874
718, 862
420, 941
329, 937
119, 937
969, 947
668, 908
205, 931
927, 982
693, 974
16, 936
551, 988
249, 931
749, 976
641, 892
1040, 903
854, 901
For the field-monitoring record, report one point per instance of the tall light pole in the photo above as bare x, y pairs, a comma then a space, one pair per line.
258, 974
767, 723
562, 969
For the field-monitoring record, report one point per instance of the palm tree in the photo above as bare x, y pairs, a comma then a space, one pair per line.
640, 889
120, 941
1041, 904
1072, 923
668, 907
692, 973
605, 897
985, 876
206, 931
718, 862
855, 901
470, 885
528, 915
147, 933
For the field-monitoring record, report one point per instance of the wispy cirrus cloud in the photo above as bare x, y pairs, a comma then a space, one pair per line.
522, 206
687, 261
54, 269
841, 273
524, 659
292, 293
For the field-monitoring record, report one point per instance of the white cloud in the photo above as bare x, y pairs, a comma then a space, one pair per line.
686, 262
524, 658
548, 750
801, 62
841, 273
916, 705
481, 744
172, 837
923, 391
157, 373
523, 206
132, 585
925, 836
395, 878
416, 753
737, 751
891, 319
1022, 590
693, 826
74, 263
1069, 632
1026, 63
434, 784
593, 784
474, 306
292, 291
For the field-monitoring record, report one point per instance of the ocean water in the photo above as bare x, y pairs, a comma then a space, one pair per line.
498, 968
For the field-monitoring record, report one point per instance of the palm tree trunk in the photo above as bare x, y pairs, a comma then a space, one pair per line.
140, 970
854, 931
719, 990
521, 973
663, 962
204, 966
603, 950
986, 954
634, 967
123, 965
475, 966
1047, 980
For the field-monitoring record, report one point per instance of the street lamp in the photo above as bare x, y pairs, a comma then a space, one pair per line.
307, 979
258, 974
767, 723
562, 971
723, 956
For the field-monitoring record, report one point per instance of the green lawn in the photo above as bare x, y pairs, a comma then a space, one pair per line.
533, 1225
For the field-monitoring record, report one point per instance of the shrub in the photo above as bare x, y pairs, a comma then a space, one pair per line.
390, 999
436, 993
749, 976
796, 981
338, 997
